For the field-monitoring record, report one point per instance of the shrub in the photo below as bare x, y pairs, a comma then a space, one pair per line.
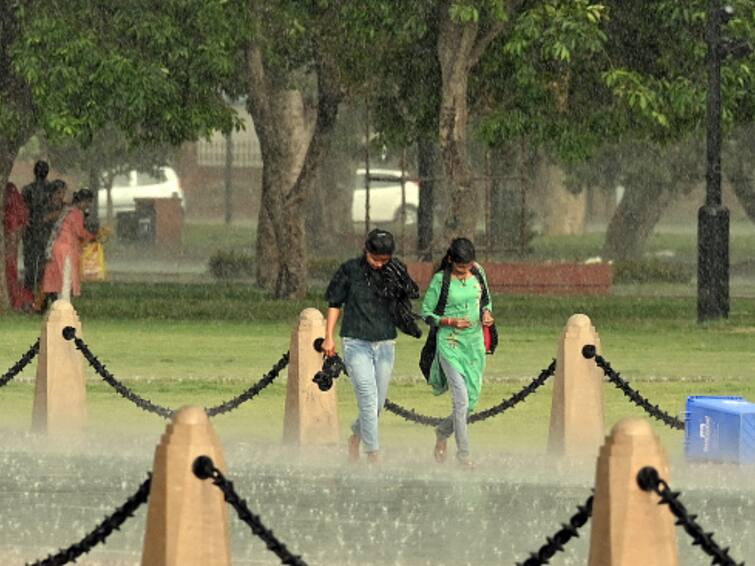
651, 271
234, 265
231, 265
323, 268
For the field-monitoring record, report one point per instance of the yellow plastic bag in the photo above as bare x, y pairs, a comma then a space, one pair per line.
93, 262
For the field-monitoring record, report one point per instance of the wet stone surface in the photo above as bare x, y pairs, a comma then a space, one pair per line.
408, 511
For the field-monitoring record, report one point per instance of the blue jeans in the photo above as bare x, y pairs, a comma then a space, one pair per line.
369, 365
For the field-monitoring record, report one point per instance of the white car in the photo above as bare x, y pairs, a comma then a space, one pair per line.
136, 184
385, 197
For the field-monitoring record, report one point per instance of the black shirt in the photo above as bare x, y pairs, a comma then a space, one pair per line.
365, 315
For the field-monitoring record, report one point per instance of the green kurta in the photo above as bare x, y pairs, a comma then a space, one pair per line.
464, 348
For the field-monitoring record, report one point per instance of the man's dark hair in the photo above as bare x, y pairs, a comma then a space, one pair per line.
83, 195
380, 242
41, 169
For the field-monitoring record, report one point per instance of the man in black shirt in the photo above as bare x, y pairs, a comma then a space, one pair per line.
36, 195
368, 331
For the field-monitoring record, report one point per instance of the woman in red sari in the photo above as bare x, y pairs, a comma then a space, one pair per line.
15, 217
65, 242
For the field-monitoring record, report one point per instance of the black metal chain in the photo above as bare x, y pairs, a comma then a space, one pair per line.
204, 468
515, 399
19, 366
649, 480
614, 377
254, 390
102, 531
562, 536
69, 333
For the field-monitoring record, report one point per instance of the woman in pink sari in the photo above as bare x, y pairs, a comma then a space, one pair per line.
15, 217
65, 242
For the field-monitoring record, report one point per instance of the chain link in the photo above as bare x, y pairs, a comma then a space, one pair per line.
614, 377
69, 333
563, 535
515, 399
649, 480
254, 390
204, 468
102, 531
19, 366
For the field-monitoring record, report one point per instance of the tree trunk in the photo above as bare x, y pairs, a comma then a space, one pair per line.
328, 212
281, 127
427, 165
456, 42
742, 182
634, 220
293, 146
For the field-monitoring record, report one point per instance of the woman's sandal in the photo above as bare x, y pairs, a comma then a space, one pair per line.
440, 451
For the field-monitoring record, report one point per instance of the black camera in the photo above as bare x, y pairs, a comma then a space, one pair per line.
332, 366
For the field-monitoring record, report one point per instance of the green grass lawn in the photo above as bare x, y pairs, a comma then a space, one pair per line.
147, 338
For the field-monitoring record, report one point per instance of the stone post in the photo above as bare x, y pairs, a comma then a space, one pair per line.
576, 425
187, 518
59, 391
311, 415
629, 527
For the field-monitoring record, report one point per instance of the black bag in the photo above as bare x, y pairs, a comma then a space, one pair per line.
427, 355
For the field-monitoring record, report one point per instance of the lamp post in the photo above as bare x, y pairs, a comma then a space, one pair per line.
713, 217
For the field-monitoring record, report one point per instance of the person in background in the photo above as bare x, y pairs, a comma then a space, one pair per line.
460, 355
65, 241
368, 331
52, 209
35, 196
15, 217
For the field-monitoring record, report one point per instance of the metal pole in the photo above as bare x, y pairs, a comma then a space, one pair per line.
713, 217
366, 169
403, 201
228, 180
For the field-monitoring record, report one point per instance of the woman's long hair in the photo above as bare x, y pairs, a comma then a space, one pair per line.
461, 250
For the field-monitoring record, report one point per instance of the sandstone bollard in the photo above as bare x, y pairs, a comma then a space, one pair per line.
60, 389
629, 527
187, 518
311, 415
576, 425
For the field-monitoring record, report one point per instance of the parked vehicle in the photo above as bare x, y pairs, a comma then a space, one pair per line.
162, 183
385, 197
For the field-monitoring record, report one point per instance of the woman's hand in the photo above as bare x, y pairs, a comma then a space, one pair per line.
329, 347
459, 323
487, 318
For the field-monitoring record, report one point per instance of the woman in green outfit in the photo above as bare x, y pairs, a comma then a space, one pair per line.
457, 302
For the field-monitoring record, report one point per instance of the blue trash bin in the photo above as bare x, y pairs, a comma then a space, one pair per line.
720, 429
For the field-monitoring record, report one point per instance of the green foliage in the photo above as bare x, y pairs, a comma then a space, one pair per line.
222, 301
225, 265
526, 81
153, 69
652, 271
231, 265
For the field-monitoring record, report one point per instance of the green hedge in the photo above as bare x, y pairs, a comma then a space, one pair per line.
228, 265
652, 271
